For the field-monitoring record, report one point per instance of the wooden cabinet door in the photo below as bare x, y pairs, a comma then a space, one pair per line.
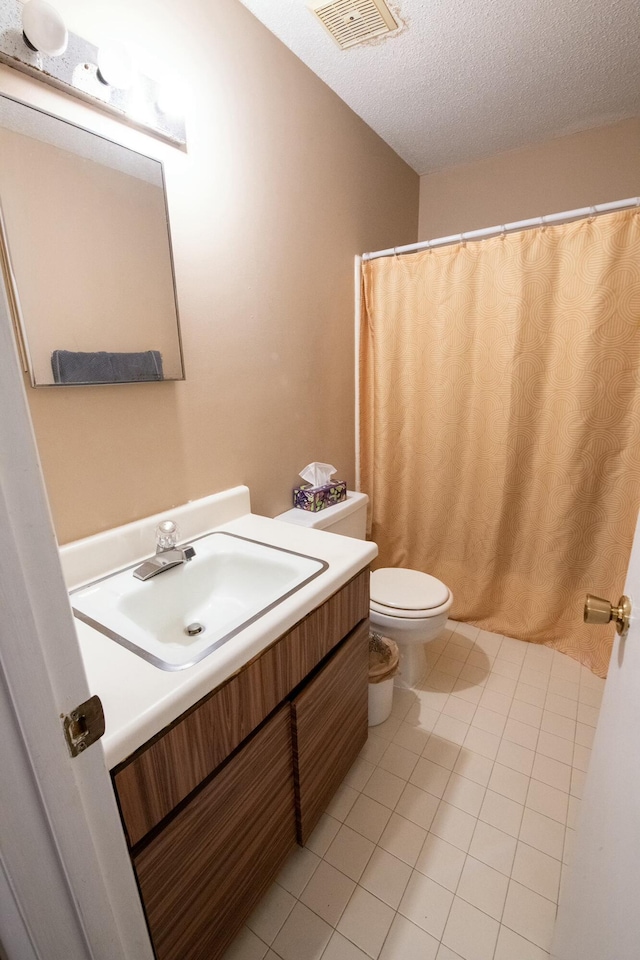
201, 875
330, 727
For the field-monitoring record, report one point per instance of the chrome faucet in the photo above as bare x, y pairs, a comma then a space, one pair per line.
168, 554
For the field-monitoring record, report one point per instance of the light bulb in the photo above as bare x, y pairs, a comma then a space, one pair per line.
115, 65
43, 28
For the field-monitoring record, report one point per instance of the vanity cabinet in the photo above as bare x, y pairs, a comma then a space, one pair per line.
214, 802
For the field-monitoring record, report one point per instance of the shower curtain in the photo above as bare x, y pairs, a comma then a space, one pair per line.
500, 423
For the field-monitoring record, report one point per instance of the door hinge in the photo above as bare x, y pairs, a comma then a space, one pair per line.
84, 725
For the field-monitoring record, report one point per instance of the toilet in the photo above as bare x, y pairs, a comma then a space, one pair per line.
409, 606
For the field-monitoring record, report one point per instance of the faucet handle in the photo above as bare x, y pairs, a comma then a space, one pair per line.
167, 535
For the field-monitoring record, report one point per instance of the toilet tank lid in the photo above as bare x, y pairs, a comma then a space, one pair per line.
324, 518
407, 589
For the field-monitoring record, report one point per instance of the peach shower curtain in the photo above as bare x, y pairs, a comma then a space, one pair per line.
500, 423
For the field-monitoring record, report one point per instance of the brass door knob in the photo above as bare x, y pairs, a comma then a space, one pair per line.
597, 610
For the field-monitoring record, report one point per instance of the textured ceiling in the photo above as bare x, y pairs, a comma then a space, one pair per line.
465, 79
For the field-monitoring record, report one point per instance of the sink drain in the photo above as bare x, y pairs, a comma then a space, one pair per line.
194, 629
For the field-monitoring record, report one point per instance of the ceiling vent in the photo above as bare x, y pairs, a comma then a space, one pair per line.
353, 21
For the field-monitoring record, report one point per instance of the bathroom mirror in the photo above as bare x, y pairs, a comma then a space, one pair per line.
86, 253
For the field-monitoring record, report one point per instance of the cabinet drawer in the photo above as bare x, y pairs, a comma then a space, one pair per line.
200, 877
330, 727
162, 773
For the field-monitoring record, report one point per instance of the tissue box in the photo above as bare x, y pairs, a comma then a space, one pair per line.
306, 497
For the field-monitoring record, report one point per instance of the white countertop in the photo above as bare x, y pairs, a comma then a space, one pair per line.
140, 699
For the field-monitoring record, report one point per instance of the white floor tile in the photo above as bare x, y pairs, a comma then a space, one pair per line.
339, 948
321, 838
412, 738
500, 684
471, 933
464, 794
406, 941
560, 726
440, 680
509, 783
459, 709
577, 783
452, 730
489, 721
303, 936
521, 733
537, 871
426, 904
504, 667
555, 747
418, 806
581, 757
526, 713
298, 870
530, 694
500, 812
366, 921
497, 702
561, 705
564, 688
373, 748
534, 677
483, 887
327, 893
359, 773
403, 839
431, 777
271, 913
398, 761
445, 953
584, 734
511, 946
386, 877
494, 847
453, 825
552, 772
442, 752
368, 817
246, 946
342, 801
349, 853
441, 861
479, 741
422, 716
386, 730
473, 766
384, 787
548, 801
515, 756
529, 914
542, 833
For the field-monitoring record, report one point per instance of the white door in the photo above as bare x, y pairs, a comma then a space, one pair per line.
599, 915
66, 885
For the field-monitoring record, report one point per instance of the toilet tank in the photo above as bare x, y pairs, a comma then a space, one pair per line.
348, 518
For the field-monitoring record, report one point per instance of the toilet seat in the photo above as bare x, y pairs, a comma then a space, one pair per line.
408, 594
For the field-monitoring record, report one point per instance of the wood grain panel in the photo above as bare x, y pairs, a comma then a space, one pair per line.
330, 720
155, 779
203, 874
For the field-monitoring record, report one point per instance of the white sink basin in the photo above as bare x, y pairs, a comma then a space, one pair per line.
229, 583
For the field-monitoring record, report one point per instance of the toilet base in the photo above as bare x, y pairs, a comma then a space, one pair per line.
412, 666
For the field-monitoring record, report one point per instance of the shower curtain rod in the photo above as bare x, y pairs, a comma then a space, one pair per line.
507, 228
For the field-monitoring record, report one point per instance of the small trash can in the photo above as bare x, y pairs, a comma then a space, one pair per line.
383, 666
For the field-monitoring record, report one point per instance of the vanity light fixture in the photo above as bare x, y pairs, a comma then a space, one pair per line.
43, 28
33, 39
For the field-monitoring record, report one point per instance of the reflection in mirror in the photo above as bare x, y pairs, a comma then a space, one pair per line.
86, 252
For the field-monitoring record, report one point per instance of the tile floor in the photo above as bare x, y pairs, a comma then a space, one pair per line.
449, 835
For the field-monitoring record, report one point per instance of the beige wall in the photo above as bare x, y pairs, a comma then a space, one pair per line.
281, 186
576, 171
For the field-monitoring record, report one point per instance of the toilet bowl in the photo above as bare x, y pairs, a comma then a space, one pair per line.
409, 606
412, 608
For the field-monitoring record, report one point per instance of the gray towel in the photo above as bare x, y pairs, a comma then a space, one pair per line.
103, 367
